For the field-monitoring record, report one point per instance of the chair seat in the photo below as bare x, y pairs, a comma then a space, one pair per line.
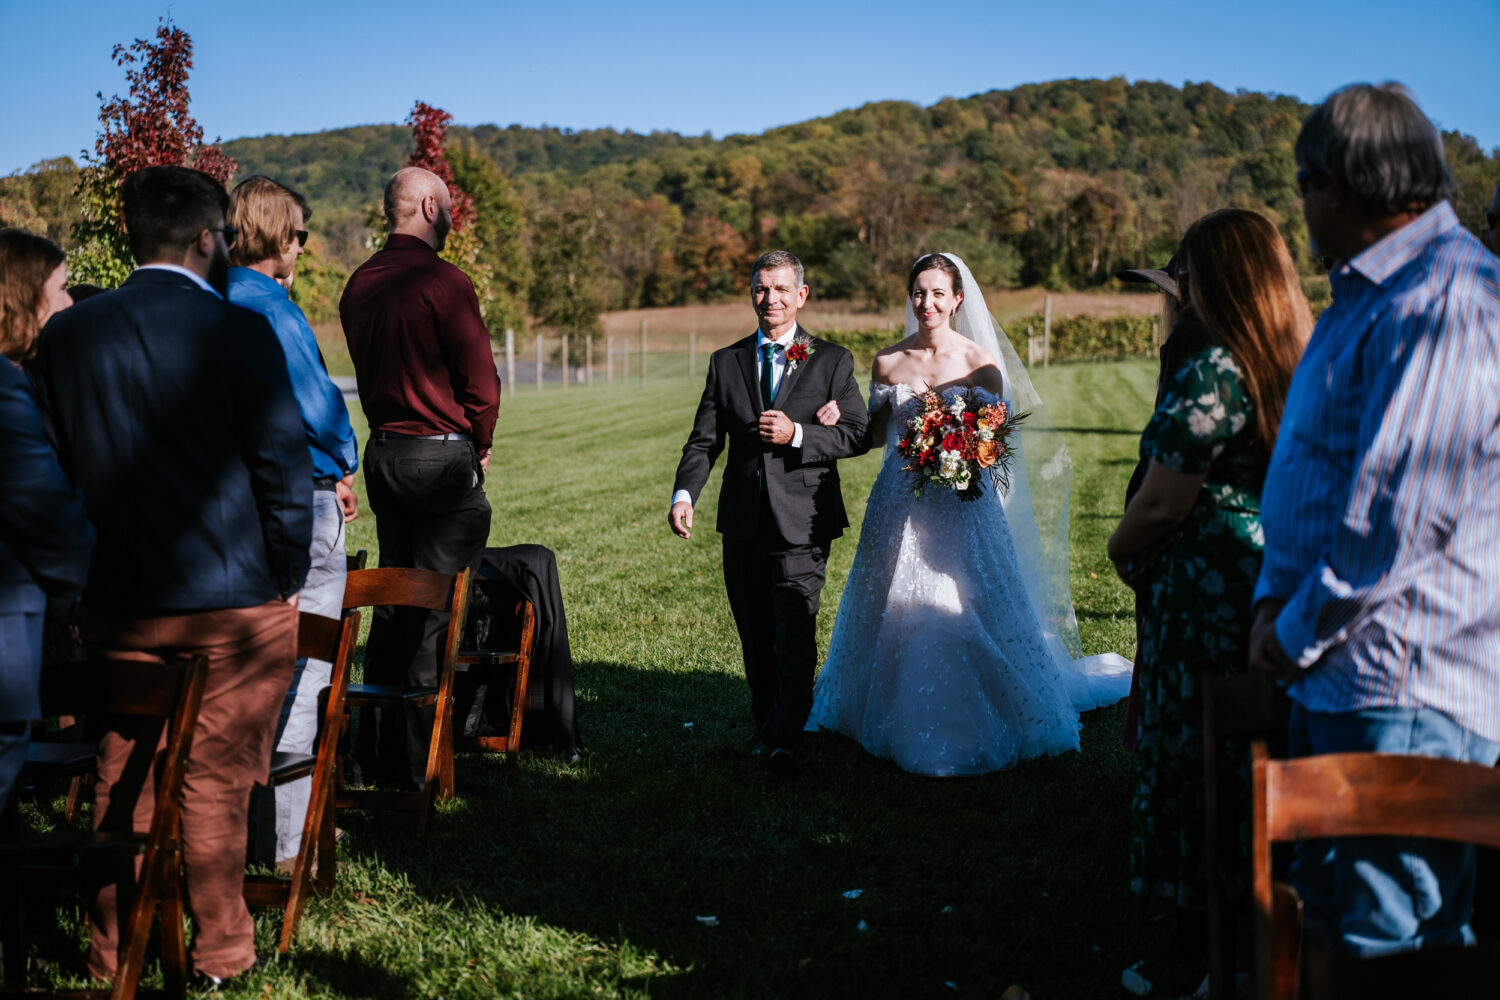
371, 695
58, 760
291, 766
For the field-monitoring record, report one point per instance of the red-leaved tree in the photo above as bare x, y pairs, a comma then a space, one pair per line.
429, 130
151, 127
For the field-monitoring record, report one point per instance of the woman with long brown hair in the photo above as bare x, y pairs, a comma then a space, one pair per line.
1190, 541
33, 286
44, 533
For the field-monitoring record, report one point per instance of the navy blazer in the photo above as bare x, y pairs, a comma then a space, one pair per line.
174, 415
44, 541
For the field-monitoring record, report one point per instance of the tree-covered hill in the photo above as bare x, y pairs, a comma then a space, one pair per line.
1055, 183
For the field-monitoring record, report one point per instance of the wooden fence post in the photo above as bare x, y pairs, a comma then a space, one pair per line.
1047, 333
625, 361
609, 360
510, 360
565, 360
539, 362
588, 361
643, 352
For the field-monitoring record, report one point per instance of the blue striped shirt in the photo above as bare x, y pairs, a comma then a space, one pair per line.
1381, 507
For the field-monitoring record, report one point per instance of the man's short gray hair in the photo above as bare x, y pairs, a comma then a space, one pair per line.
778, 258
1380, 144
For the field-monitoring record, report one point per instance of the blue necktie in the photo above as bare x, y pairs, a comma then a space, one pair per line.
767, 393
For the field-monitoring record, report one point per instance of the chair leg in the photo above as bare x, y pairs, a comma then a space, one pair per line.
173, 943
327, 847
75, 797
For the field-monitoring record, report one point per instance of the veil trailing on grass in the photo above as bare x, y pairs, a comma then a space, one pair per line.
1036, 507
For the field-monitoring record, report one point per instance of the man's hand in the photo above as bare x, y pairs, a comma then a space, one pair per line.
484, 460
829, 413
680, 517
1266, 653
776, 427
348, 499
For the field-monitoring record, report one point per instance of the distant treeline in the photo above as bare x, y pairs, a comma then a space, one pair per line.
1055, 184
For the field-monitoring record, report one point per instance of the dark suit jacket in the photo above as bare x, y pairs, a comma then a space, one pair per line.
802, 484
45, 539
174, 414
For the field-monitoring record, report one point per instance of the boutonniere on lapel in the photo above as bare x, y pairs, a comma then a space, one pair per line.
800, 350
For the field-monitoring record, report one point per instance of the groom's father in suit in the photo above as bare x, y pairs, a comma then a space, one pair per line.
429, 388
780, 506
174, 416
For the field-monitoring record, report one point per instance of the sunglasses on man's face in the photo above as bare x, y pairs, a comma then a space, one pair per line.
230, 232
301, 235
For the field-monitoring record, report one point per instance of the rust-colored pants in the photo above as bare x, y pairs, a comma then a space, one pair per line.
251, 652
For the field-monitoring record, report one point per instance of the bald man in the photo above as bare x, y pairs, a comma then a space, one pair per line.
430, 392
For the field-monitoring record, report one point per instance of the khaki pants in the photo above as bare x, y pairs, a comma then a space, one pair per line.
251, 652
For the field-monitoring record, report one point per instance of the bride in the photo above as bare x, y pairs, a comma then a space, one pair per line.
954, 650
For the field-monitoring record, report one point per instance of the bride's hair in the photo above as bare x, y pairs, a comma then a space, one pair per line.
1244, 287
935, 262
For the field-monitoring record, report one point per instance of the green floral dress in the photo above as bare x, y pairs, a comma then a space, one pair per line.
1196, 591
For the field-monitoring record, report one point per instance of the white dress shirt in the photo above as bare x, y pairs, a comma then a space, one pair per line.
197, 279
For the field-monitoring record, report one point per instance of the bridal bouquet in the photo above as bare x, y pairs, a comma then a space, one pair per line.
953, 443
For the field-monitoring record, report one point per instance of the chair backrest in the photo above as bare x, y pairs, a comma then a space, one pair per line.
318, 638
1356, 795
404, 587
124, 687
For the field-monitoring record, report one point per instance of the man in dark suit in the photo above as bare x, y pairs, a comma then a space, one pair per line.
45, 541
174, 414
780, 506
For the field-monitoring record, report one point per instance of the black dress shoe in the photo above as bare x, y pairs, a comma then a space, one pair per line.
783, 763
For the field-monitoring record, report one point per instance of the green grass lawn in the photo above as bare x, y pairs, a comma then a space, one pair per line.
589, 879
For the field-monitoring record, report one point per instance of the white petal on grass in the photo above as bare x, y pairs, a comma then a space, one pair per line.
709, 921
854, 893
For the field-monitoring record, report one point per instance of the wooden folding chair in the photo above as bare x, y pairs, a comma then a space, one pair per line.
1365, 795
318, 638
431, 591
1241, 707
500, 670
172, 692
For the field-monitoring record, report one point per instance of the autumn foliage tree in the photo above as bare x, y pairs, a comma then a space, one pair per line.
152, 126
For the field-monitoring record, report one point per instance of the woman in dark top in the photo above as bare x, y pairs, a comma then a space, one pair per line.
1190, 540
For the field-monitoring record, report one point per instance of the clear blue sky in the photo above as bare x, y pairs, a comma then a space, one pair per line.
277, 66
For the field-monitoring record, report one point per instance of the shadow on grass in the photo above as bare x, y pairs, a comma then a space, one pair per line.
982, 882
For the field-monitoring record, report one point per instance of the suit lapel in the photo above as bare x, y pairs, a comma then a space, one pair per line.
746, 357
791, 374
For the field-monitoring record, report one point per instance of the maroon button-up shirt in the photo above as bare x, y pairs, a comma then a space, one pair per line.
421, 351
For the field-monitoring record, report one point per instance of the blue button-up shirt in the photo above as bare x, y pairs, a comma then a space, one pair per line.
330, 438
1381, 507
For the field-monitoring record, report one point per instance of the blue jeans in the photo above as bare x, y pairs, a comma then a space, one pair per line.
1371, 896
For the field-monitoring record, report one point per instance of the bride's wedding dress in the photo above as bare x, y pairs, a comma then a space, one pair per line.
954, 649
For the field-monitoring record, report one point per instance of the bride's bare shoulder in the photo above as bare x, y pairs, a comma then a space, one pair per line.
888, 360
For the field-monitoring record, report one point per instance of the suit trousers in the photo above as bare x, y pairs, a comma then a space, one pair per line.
430, 513
774, 589
250, 656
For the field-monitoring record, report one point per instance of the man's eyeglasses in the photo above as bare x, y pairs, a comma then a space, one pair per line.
301, 235
1304, 176
230, 232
